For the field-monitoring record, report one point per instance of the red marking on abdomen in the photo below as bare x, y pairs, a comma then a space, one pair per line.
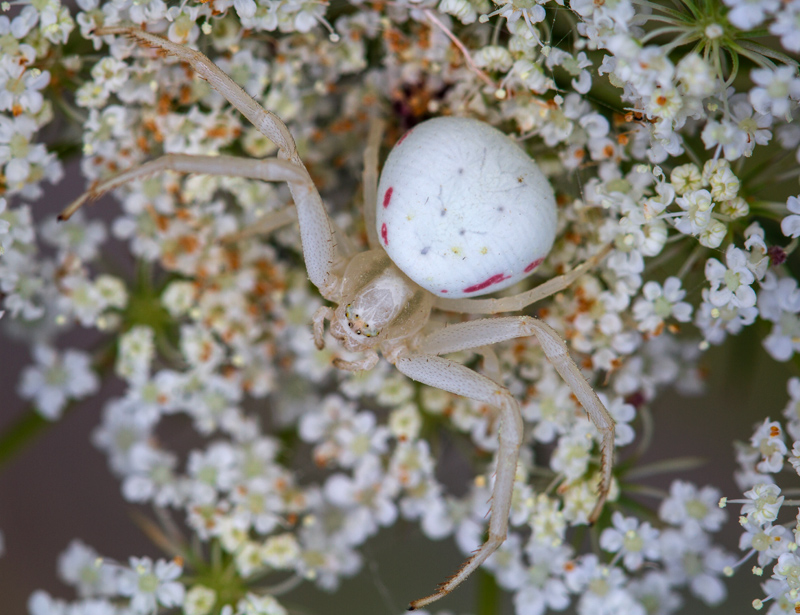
385, 234
403, 138
533, 265
443, 291
495, 279
387, 197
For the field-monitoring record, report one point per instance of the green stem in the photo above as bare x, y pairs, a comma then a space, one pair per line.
22, 431
659, 31
678, 15
696, 12
734, 70
488, 594
754, 57
668, 20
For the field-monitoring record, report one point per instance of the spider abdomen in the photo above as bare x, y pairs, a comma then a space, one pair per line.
462, 210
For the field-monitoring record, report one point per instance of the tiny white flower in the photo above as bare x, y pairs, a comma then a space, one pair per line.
768, 440
658, 303
633, 542
281, 551
790, 225
259, 605
199, 600
765, 503
686, 178
81, 566
698, 207
149, 585
179, 297
405, 422
769, 541
248, 559
774, 89
692, 508
57, 378
730, 286
136, 352
749, 14
724, 184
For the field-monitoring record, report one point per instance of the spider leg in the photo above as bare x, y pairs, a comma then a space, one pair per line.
366, 363
370, 179
517, 302
269, 169
264, 225
318, 320
448, 375
491, 364
486, 331
319, 248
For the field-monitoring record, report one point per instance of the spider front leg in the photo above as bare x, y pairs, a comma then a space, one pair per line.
448, 375
269, 169
319, 248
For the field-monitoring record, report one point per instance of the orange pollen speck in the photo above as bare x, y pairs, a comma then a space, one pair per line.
188, 243
217, 132
661, 100
774, 432
162, 222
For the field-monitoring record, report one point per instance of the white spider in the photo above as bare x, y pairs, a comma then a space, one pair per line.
379, 306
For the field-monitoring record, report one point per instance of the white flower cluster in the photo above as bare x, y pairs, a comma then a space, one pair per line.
215, 325
148, 585
774, 542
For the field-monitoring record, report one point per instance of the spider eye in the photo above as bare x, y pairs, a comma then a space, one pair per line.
350, 324
370, 331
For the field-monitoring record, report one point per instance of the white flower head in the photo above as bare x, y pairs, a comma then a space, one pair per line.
56, 378
765, 502
151, 585
632, 541
693, 508
774, 89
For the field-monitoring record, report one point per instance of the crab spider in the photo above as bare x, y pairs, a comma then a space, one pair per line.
384, 304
